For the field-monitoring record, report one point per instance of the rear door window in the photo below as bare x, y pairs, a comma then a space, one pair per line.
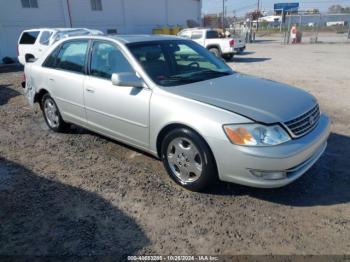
72, 56
51, 59
186, 34
196, 35
212, 34
45, 38
29, 38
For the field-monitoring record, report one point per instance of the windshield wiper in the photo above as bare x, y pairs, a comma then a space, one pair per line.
180, 79
211, 72
195, 76
206, 72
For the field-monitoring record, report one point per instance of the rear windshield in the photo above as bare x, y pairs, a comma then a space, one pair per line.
29, 38
212, 34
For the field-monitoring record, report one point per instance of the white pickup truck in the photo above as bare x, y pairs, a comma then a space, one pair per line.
210, 39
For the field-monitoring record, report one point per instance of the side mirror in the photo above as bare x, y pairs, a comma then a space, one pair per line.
127, 79
29, 58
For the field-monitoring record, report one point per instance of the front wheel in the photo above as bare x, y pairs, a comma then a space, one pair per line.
52, 115
188, 159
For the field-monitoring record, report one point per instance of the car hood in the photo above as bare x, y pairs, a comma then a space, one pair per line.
258, 99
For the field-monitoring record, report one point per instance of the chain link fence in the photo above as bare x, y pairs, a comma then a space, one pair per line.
328, 28
311, 28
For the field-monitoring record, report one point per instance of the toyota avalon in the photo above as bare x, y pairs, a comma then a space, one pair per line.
174, 99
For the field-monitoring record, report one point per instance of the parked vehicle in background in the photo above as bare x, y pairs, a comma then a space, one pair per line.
211, 40
34, 42
205, 121
336, 23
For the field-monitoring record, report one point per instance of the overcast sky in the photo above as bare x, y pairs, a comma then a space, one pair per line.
243, 6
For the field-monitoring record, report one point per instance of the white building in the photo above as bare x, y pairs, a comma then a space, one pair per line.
121, 16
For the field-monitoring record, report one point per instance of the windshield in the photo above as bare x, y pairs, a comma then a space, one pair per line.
178, 62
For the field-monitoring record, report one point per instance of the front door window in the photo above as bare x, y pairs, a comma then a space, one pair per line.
107, 59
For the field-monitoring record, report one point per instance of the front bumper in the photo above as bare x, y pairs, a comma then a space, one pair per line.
294, 157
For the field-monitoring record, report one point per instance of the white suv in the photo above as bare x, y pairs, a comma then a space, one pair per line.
34, 42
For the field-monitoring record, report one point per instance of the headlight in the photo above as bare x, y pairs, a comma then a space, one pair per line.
256, 134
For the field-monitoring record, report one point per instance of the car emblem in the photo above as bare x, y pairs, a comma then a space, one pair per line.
311, 120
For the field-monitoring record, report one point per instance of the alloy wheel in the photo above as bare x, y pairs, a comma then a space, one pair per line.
51, 113
184, 160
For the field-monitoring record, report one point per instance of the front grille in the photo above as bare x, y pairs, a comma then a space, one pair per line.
304, 123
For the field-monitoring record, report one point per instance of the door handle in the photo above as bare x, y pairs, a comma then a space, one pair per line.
90, 90
51, 79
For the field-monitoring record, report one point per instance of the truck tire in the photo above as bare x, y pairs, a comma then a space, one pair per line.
215, 51
228, 57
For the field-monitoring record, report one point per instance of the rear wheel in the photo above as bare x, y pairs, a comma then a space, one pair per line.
215, 51
188, 159
228, 57
52, 115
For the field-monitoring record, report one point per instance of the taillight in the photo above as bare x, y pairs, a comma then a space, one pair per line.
17, 50
232, 42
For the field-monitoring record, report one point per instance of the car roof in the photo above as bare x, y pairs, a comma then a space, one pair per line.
198, 29
126, 39
57, 29
142, 38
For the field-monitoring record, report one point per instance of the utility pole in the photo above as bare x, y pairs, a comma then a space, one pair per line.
257, 14
69, 14
223, 16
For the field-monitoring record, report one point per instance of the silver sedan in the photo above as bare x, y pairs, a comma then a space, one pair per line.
174, 99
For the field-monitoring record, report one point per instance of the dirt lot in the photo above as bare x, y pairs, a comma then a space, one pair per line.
81, 194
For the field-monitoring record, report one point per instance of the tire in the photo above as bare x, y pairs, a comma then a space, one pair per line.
188, 159
52, 115
215, 51
228, 57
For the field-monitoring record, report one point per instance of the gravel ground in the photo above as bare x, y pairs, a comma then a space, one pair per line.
81, 194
